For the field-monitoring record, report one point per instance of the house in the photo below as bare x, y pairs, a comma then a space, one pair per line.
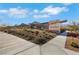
55, 25
51, 25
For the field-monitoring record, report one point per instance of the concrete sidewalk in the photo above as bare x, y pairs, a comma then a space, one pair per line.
12, 45
56, 46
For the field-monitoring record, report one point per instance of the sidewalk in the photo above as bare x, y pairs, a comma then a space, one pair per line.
12, 45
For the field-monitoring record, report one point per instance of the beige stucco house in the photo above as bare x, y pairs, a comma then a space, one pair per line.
51, 25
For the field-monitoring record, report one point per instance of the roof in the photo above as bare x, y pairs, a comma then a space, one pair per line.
57, 21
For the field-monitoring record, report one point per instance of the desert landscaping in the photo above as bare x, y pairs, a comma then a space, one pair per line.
34, 35
42, 28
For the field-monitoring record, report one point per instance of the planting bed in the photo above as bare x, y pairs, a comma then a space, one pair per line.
36, 36
72, 42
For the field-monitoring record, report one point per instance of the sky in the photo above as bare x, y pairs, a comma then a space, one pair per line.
17, 13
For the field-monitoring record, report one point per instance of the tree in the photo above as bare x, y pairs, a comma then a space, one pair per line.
74, 27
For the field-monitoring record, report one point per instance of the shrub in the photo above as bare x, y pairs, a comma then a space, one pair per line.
75, 45
41, 41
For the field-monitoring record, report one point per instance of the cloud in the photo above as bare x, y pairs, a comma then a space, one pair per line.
3, 11
41, 16
54, 10
36, 11
15, 12
46, 12
18, 12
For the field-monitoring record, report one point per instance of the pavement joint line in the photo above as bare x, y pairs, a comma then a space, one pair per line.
40, 51
25, 49
36, 45
40, 47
